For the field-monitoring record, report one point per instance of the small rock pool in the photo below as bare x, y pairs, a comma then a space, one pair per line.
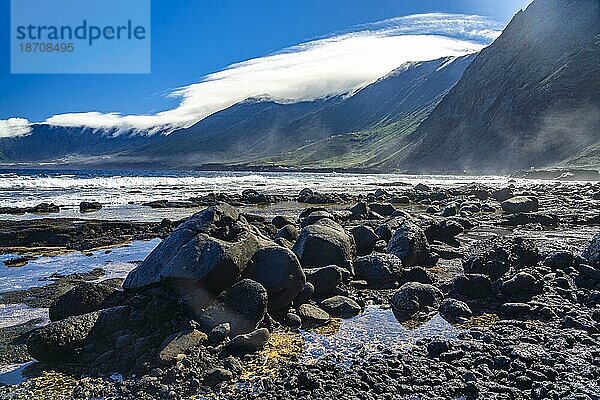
370, 332
342, 341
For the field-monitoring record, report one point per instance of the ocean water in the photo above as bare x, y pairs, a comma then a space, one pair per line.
117, 262
122, 192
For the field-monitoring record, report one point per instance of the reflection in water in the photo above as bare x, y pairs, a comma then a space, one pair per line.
340, 341
371, 332
117, 262
13, 374
16, 314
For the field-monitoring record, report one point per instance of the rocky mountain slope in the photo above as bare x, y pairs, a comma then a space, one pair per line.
45, 143
531, 99
322, 132
395, 104
258, 129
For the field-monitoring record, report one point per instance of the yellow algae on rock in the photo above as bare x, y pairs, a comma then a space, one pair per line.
285, 345
481, 321
330, 328
50, 385
282, 346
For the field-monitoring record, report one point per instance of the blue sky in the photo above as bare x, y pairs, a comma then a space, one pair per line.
192, 39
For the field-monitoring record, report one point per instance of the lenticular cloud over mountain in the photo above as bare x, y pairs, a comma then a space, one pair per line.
319, 68
14, 127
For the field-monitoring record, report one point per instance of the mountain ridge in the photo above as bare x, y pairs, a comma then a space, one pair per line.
531, 99
256, 129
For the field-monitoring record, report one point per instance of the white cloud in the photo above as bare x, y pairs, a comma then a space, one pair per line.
322, 67
13, 127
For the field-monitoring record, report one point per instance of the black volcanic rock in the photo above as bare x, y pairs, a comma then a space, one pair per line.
412, 297
243, 306
325, 243
279, 271
210, 249
89, 206
410, 245
379, 270
83, 299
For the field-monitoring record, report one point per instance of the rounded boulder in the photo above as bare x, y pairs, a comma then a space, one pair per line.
243, 306
324, 243
279, 271
413, 297
381, 271
410, 245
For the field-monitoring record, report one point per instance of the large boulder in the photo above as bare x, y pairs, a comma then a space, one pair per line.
288, 232
280, 221
61, 339
413, 297
279, 271
210, 250
522, 285
365, 239
472, 286
243, 306
325, 243
384, 209
443, 230
250, 342
381, 271
341, 306
559, 260
305, 294
324, 279
416, 274
495, 256
523, 252
360, 210
89, 206
83, 299
453, 310
490, 257
592, 252
520, 204
312, 315
410, 245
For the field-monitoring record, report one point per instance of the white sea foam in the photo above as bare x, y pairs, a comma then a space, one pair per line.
16, 314
123, 192
20, 190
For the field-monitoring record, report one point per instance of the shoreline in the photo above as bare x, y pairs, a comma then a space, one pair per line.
455, 220
551, 173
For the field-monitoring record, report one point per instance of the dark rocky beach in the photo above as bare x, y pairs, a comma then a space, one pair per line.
441, 291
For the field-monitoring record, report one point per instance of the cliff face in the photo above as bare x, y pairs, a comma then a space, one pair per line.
532, 98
